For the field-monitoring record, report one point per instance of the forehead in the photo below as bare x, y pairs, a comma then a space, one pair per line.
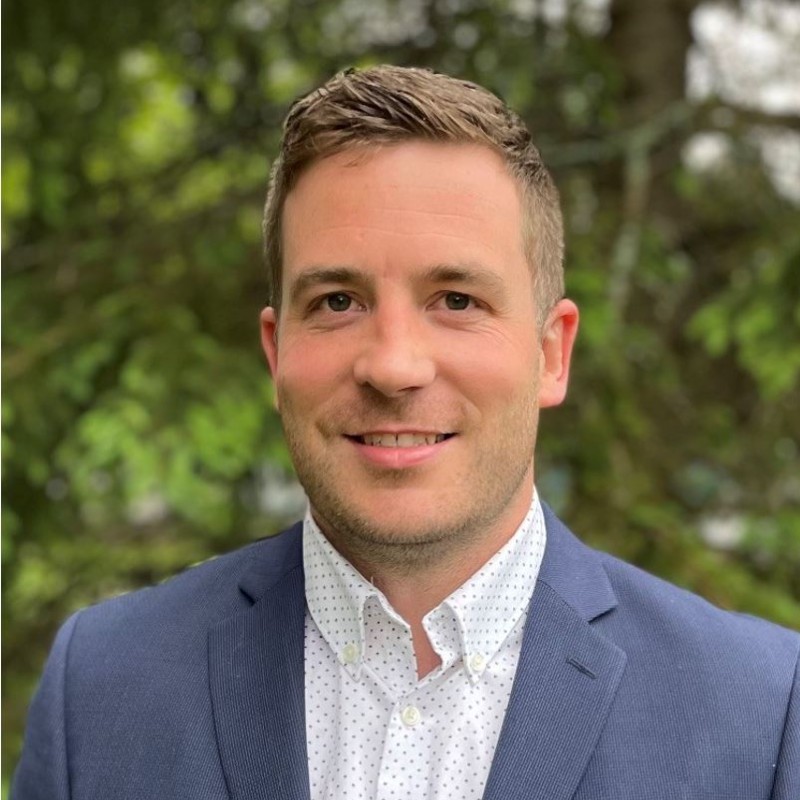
415, 199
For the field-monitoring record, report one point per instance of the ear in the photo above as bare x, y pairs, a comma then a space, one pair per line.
558, 338
269, 342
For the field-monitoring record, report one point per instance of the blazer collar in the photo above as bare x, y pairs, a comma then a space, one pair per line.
566, 680
272, 559
574, 571
569, 567
256, 678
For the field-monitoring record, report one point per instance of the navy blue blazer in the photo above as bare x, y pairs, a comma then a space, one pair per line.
627, 687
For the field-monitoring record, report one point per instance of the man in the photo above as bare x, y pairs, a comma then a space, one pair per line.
431, 630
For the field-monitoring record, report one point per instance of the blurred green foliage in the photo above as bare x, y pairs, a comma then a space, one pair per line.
138, 430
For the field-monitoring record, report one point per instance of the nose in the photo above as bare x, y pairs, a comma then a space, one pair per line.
397, 356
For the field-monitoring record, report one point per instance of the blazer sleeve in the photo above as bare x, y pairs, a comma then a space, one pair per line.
787, 774
43, 769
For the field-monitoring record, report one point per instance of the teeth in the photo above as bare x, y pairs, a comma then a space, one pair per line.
402, 439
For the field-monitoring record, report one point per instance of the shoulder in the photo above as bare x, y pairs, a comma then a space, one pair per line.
698, 667
680, 649
641, 611
131, 674
651, 609
176, 615
715, 692
668, 610
722, 686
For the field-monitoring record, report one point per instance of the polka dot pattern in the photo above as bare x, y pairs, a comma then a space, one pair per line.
373, 729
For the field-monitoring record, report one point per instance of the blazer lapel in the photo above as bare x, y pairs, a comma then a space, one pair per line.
566, 679
257, 688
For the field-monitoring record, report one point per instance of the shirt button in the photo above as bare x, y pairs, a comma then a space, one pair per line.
410, 716
477, 663
350, 653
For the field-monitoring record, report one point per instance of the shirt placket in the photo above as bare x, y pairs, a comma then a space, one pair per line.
405, 764
408, 744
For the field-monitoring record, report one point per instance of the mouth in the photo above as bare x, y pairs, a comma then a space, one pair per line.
404, 439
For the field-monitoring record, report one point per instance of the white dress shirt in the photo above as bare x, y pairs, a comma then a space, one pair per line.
376, 732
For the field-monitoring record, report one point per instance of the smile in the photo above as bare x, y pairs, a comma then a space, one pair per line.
405, 439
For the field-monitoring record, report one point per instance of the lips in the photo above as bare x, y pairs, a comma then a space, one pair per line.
404, 439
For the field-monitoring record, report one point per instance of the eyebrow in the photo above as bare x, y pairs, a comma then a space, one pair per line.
317, 276
468, 274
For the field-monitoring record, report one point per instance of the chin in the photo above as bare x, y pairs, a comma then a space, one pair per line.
406, 531
354, 527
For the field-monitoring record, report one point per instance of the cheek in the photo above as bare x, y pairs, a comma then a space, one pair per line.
309, 372
494, 371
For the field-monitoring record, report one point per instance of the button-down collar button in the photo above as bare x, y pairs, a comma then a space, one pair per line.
410, 716
350, 653
477, 663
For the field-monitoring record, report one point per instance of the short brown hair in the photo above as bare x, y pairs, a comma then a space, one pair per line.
389, 105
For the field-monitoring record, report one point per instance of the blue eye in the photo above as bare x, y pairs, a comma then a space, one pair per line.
339, 301
456, 301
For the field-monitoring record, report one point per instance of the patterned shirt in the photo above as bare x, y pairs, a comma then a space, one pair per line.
374, 730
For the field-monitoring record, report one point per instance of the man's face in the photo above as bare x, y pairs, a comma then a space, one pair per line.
407, 360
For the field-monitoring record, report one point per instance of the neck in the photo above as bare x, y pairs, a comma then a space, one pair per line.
416, 578
416, 591
412, 599
415, 588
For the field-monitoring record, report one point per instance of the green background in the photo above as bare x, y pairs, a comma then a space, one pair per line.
138, 430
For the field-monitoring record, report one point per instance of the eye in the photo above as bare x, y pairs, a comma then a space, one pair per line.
456, 301
338, 301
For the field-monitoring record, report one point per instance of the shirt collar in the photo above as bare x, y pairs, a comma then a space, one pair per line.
471, 624
488, 606
335, 594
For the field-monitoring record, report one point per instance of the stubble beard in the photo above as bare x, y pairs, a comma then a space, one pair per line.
400, 550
